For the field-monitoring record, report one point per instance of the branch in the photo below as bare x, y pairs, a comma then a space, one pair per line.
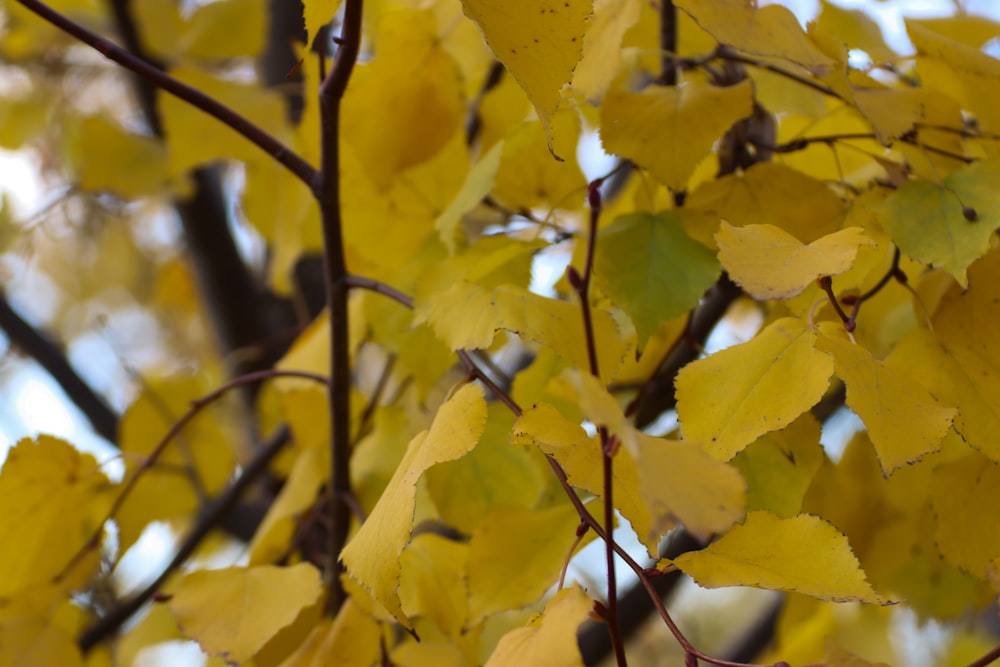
326, 189
668, 43
259, 137
49, 356
212, 515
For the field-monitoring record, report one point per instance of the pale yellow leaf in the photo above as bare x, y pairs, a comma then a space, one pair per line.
372, 556
433, 582
548, 640
803, 554
962, 493
769, 381
478, 184
234, 611
353, 639
769, 263
298, 494
602, 52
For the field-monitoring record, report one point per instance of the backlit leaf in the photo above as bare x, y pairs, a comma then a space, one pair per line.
649, 267
55, 499
803, 554
538, 41
234, 611
549, 640
670, 129
769, 381
477, 185
931, 223
769, 263
455, 431
514, 556
602, 46
904, 421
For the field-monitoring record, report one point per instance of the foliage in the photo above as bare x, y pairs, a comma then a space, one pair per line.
443, 439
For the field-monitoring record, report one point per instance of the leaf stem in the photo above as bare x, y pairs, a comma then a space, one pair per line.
326, 190
259, 137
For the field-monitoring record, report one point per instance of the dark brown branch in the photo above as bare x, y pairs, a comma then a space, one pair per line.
51, 357
474, 119
668, 43
326, 189
211, 517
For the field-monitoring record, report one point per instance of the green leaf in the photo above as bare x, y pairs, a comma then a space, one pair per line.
651, 269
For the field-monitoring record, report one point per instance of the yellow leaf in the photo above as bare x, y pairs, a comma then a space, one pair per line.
36, 641
771, 31
596, 404
455, 431
959, 378
839, 657
405, 105
602, 52
853, 28
538, 41
769, 381
892, 112
961, 491
432, 582
670, 129
493, 474
528, 177
226, 29
234, 611
478, 184
549, 640
297, 495
54, 500
107, 158
353, 637
771, 194
769, 263
515, 555
22, 118
803, 554
903, 420
680, 480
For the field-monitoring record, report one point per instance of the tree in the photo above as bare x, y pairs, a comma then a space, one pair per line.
408, 472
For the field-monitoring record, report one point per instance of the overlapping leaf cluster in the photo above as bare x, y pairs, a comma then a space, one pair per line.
855, 206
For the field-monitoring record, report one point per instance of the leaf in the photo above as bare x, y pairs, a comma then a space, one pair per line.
299, 493
455, 431
54, 501
839, 657
779, 467
771, 31
405, 105
478, 184
853, 28
234, 611
803, 554
931, 224
106, 158
967, 536
433, 582
494, 473
538, 41
771, 194
769, 263
903, 420
958, 378
602, 53
548, 640
651, 269
769, 381
680, 480
514, 556
670, 129
353, 637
